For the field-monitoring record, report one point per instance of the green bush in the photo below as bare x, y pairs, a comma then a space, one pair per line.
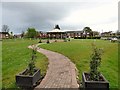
95, 63
31, 64
87, 37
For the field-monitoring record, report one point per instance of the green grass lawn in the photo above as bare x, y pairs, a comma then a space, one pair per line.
15, 58
0, 64
79, 52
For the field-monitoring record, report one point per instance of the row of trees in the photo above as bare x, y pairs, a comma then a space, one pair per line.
93, 33
31, 32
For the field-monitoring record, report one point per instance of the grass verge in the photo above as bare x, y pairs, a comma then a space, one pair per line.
79, 52
15, 58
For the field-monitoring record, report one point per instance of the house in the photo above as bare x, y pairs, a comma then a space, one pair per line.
4, 35
106, 34
56, 33
74, 34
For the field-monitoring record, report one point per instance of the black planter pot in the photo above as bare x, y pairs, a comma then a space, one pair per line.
28, 80
40, 41
94, 85
48, 41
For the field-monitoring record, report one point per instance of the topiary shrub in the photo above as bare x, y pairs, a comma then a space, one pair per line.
55, 40
48, 41
65, 39
31, 65
40, 41
95, 62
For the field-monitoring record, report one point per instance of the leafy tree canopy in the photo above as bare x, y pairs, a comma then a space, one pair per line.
87, 29
31, 33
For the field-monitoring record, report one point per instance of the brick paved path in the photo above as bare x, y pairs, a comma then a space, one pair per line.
61, 71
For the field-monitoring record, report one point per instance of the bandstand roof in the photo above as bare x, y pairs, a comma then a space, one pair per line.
56, 30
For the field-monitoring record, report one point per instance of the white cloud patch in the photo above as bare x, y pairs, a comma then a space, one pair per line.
0, 16
105, 27
104, 16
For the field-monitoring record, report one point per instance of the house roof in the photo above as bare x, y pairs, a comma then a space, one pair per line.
4, 33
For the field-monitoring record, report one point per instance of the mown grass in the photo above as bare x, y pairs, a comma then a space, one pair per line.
15, 58
79, 52
0, 64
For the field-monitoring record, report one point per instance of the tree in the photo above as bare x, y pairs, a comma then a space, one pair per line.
31, 65
31, 33
22, 34
95, 62
5, 28
11, 35
88, 30
57, 27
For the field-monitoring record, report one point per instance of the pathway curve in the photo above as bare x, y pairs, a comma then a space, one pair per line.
61, 71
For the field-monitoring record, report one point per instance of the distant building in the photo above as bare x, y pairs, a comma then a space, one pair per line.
108, 34
4, 35
74, 34
17, 36
42, 34
56, 33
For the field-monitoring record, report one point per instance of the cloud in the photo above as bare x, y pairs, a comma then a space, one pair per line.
69, 15
59, 0
105, 27
105, 14
39, 15
0, 16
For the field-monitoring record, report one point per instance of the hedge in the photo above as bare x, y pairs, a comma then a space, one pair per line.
87, 37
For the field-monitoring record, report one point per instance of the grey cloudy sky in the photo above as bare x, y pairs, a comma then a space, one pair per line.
72, 15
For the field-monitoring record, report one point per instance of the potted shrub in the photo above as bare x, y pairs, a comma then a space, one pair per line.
40, 41
65, 39
30, 76
48, 41
94, 80
68, 39
55, 40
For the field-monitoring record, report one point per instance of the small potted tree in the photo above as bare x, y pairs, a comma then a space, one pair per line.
94, 80
30, 76
40, 41
48, 41
55, 40
68, 39
65, 39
